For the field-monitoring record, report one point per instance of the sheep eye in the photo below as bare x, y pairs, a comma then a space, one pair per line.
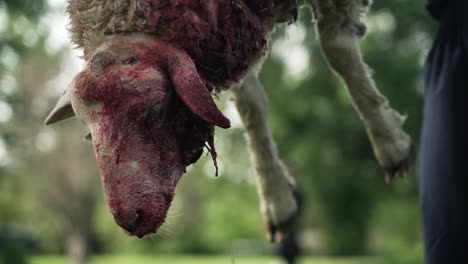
129, 61
194, 156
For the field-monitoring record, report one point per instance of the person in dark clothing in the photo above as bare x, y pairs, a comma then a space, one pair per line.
443, 175
436, 7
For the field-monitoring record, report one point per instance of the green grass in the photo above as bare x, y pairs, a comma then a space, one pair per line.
172, 259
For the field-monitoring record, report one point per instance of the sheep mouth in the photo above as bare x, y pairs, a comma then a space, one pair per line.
142, 216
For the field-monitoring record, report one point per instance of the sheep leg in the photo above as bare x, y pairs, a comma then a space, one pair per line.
274, 184
340, 27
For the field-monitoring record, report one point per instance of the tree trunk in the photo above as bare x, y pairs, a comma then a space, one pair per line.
77, 247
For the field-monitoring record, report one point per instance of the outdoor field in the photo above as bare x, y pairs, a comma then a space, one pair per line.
127, 259
62, 203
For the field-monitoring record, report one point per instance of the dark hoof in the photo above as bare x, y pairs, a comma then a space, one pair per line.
401, 168
277, 233
361, 30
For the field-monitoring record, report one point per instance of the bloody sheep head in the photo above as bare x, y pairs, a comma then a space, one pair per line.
150, 116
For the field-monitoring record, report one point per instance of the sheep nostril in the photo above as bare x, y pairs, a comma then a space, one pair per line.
131, 221
139, 215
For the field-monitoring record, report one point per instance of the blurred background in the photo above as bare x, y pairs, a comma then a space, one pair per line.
51, 204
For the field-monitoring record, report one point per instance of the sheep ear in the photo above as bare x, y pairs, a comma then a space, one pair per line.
63, 110
192, 91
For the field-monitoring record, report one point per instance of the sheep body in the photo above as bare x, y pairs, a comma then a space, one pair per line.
223, 38
180, 50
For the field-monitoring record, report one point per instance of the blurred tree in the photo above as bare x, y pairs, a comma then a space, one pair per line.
51, 175
50, 169
11, 47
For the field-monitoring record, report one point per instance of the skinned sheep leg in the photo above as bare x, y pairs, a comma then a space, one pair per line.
340, 26
274, 184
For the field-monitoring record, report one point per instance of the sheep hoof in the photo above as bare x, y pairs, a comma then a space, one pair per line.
402, 167
360, 30
395, 153
280, 223
278, 232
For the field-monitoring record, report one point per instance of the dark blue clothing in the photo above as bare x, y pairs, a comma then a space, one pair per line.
436, 7
456, 8
444, 177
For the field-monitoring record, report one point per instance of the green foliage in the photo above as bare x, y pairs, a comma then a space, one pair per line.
20, 26
319, 136
12, 251
29, 8
195, 259
15, 246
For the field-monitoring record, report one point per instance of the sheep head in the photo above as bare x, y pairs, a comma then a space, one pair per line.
150, 116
